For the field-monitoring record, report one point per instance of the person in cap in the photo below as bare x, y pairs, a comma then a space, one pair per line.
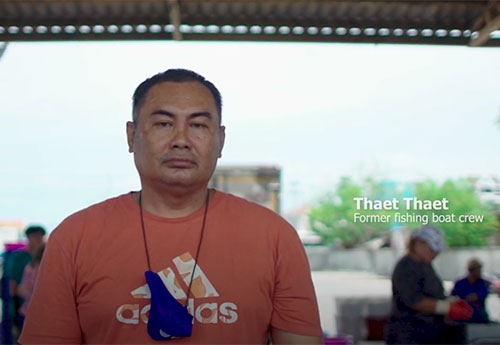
474, 289
176, 261
421, 313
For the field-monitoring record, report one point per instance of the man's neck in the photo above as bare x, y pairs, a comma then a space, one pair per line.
31, 249
472, 279
172, 204
415, 256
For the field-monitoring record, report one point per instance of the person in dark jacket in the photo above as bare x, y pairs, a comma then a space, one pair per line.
420, 313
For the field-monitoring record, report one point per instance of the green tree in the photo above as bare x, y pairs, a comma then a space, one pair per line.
462, 200
333, 217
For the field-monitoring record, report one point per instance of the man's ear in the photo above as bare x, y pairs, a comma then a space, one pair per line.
222, 139
130, 136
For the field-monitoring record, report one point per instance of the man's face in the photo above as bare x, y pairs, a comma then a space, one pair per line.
424, 252
177, 138
475, 271
35, 240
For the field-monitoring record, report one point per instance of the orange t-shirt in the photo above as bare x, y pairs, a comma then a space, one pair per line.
252, 273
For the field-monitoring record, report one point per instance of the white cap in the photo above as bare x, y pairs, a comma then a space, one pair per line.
432, 235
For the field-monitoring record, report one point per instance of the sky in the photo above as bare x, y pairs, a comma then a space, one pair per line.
317, 110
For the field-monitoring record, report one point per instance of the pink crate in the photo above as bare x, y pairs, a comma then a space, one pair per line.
10, 247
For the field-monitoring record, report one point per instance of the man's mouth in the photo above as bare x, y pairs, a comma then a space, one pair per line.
180, 163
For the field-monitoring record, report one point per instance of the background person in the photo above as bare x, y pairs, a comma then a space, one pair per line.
18, 260
239, 268
474, 289
25, 289
419, 307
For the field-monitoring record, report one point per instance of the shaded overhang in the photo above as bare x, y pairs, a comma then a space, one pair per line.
455, 22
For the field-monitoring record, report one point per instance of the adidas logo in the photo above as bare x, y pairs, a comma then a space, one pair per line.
206, 313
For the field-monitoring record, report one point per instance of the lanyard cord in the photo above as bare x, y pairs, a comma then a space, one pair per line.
199, 242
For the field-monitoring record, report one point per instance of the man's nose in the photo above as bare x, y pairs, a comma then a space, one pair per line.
180, 138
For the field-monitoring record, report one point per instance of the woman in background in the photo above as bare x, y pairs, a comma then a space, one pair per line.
25, 289
420, 313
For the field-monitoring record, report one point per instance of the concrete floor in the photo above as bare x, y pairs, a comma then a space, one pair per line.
330, 285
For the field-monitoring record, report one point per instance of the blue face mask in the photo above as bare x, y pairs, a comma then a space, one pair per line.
168, 318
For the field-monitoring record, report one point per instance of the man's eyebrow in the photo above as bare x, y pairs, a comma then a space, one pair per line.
201, 114
192, 116
162, 112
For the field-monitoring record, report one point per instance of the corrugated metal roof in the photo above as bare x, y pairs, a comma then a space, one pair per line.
410, 21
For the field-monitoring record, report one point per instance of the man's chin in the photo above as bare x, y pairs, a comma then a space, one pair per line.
187, 182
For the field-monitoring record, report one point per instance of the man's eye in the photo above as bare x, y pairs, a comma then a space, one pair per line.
198, 125
163, 124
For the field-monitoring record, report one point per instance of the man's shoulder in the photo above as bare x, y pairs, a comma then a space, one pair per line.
461, 281
407, 263
236, 200
237, 210
406, 260
112, 203
20, 255
98, 212
484, 282
105, 205
238, 204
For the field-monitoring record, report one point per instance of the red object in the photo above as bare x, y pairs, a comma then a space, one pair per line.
460, 310
376, 328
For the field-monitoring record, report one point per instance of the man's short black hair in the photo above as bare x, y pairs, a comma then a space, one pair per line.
33, 229
173, 75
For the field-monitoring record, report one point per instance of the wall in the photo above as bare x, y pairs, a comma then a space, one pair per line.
450, 264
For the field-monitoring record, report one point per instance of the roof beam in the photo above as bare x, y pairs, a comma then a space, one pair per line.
175, 18
488, 22
370, 21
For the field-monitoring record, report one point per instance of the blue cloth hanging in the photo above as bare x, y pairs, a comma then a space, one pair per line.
168, 318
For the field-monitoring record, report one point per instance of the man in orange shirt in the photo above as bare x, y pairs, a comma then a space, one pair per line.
219, 269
